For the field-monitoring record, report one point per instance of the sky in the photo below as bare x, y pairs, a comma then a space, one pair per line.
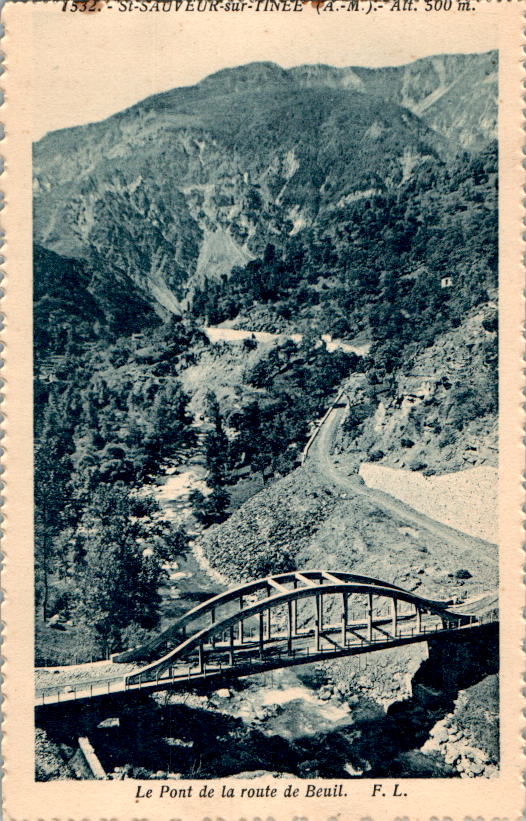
89, 66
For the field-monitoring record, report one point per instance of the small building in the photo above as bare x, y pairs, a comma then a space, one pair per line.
446, 282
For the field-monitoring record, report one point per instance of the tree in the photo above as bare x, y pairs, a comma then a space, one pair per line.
216, 443
166, 423
52, 476
123, 547
210, 509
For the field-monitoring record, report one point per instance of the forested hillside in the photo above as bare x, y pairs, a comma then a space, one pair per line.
110, 416
379, 267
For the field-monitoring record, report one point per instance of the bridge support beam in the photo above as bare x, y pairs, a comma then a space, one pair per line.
317, 622
344, 619
240, 626
231, 645
212, 621
261, 634
289, 627
201, 651
295, 610
418, 619
394, 616
369, 616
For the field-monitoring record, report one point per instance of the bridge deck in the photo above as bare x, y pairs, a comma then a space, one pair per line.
248, 661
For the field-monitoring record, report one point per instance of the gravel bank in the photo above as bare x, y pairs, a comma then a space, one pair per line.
81, 673
465, 500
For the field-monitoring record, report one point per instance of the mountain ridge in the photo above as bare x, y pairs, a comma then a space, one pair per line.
191, 182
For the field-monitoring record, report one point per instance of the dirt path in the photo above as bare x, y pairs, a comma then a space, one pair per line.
321, 459
224, 334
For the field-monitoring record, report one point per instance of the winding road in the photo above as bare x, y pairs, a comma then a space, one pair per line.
320, 458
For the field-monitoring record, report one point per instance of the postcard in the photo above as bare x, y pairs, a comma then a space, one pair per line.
262, 410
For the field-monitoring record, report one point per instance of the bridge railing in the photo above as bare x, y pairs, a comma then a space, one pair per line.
68, 692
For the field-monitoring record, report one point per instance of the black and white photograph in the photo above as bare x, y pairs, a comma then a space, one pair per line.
265, 337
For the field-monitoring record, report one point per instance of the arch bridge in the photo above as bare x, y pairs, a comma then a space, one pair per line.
293, 618
278, 621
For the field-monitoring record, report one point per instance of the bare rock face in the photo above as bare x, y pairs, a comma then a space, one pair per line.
466, 738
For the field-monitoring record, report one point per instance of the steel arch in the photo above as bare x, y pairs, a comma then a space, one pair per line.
339, 583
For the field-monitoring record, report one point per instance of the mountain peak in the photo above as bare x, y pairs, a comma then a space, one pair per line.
240, 78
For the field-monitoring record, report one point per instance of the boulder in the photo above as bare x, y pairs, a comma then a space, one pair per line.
440, 735
476, 767
107, 723
223, 692
451, 756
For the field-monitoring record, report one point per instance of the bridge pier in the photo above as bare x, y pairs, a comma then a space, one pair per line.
201, 656
418, 619
289, 627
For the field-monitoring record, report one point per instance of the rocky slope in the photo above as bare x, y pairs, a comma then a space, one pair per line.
305, 521
434, 88
438, 413
199, 179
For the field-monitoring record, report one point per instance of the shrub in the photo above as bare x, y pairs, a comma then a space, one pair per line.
356, 415
463, 574
491, 323
210, 509
416, 464
376, 455
250, 343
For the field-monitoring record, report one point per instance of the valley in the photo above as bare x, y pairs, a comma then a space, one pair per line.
266, 339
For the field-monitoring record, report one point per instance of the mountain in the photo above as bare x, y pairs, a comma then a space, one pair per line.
197, 180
